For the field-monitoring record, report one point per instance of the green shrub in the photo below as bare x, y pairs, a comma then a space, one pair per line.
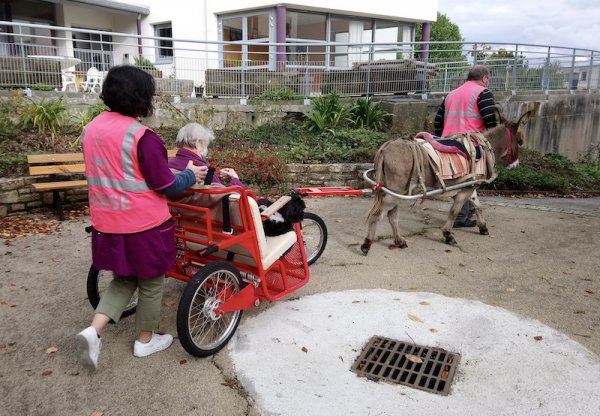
48, 117
523, 178
368, 114
8, 128
276, 94
144, 63
327, 113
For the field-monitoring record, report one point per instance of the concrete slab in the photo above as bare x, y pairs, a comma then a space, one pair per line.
295, 358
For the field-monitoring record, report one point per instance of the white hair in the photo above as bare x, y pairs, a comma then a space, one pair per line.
192, 133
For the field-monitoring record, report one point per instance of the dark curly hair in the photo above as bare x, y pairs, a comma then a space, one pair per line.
128, 90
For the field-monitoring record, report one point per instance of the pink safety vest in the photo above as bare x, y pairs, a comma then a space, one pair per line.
461, 111
120, 200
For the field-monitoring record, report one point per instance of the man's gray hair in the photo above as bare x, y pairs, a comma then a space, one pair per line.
477, 73
192, 133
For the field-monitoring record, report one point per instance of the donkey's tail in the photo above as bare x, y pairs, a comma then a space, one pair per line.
379, 181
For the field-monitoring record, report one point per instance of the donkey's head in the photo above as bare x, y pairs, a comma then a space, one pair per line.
509, 138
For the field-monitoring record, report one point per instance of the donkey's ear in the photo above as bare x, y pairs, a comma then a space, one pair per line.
501, 119
524, 118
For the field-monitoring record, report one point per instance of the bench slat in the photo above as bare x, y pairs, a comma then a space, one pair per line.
55, 158
51, 169
49, 186
68, 157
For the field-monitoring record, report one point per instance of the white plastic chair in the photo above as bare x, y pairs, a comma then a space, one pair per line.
68, 78
93, 81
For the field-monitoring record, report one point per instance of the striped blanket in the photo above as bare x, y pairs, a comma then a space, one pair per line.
451, 162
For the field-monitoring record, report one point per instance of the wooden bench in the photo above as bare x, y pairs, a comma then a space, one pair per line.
56, 164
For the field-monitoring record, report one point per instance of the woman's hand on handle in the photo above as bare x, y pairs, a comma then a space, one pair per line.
199, 171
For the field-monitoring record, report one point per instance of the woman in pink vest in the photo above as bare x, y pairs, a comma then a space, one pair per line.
133, 233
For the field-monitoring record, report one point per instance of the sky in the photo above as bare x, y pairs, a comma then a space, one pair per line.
570, 23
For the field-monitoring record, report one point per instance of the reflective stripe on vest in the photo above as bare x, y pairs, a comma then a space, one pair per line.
461, 111
120, 199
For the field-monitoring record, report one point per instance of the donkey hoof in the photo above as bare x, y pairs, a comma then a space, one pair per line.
397, 245
449, 238
484, 231
365, 248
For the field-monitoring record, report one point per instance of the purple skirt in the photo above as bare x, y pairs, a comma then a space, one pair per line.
147, 254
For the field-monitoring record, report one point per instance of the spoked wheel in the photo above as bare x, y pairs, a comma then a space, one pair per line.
97, 283
314, 235
201, 331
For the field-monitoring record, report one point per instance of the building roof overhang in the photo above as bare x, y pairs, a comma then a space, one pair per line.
138, 9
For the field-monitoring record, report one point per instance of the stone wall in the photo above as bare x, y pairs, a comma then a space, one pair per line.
18, 197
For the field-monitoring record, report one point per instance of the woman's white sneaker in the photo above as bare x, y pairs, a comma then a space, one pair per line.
88, 345
157, 343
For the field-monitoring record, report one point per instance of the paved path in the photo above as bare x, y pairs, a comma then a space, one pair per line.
536, 271
579, 206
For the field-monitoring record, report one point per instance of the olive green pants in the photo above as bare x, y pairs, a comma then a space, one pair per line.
119, 293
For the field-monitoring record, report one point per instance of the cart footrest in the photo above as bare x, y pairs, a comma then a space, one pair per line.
332, 191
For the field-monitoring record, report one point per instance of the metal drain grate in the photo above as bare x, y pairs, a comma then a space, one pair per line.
425, 368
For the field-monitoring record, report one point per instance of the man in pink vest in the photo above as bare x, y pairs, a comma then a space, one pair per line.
470, 107
133, 234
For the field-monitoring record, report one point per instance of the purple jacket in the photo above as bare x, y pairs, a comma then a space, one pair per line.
183, 156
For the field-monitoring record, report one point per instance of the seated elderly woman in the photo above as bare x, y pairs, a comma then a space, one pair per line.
193, 140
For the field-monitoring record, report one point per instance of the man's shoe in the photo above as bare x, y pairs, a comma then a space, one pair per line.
157, 343
88, 345
465, 224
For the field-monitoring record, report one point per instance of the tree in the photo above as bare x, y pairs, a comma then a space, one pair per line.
443, 30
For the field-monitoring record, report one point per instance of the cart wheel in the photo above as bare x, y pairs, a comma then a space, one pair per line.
314, 235
98, 281
201, 332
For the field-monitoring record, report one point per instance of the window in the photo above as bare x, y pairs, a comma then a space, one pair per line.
305, 27
256, 27
94, 50
583, 76
164, 47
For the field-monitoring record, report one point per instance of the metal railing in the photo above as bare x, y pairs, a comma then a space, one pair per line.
60, 58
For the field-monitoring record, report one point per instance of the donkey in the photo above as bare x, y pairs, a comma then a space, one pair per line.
401, 164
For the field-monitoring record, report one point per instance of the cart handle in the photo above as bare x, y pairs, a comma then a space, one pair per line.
275, 206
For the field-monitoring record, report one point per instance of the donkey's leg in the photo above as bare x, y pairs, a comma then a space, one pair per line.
459, 200
392, 215
372, 220
483, 230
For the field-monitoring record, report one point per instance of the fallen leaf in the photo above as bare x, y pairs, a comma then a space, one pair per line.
356, 301
414, 318
230, 383
96, 413
11, 344
424, 303
304, 349
433, 330
2, 346
182, 362
170, 303
578, 312
471, 270
589, 290
445, 374
538, 337
51, 350
46, 373
510, 289
413, 358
